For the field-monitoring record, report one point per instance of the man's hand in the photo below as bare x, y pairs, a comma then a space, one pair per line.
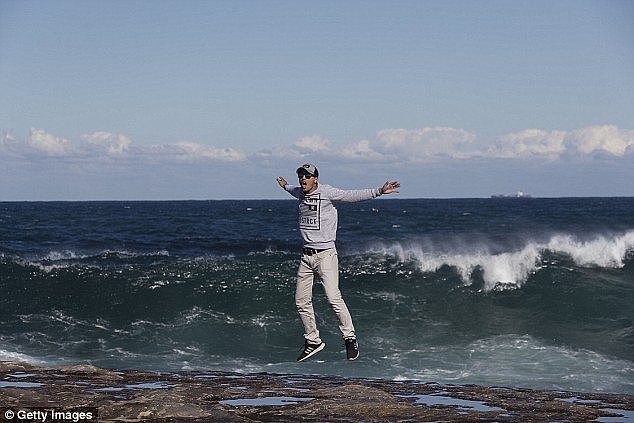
281, 181
390, 187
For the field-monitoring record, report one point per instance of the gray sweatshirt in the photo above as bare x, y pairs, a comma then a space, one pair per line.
318, 215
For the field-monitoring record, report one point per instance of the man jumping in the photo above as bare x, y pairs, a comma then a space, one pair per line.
318, 227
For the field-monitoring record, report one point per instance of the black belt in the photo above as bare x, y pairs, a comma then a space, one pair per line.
310, 251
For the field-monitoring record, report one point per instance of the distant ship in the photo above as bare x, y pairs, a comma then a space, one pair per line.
518, 194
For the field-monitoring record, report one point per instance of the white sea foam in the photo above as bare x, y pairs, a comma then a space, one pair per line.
600, 251
6, 355
518, 360
510, 269
73, 255
65, 259
62, 255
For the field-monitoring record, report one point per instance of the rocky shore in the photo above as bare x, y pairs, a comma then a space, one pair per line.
128, 396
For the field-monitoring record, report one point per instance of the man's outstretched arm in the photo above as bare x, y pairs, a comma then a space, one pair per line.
292, 190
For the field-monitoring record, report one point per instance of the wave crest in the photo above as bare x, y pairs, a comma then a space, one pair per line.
601, 251
511, 269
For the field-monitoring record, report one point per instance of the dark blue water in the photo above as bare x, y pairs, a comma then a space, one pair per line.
517, 292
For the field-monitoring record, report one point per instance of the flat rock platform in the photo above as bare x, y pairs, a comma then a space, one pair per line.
107, 395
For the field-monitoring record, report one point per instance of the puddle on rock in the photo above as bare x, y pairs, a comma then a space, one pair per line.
21, 375
4, 384
265, 401
440, 398
577, 400
148, 385
625, 416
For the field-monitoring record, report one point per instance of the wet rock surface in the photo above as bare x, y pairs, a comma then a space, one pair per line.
262, 397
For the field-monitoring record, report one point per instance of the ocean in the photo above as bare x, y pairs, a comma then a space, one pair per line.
527, 292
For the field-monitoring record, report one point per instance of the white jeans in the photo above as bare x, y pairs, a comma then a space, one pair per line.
325, 266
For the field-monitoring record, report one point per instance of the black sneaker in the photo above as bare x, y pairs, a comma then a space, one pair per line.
310, 350
352, 348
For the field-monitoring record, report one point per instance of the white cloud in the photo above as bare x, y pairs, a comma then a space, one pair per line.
424, 143
529, 143
606, 138
48, 144
433, 143
99, 145
361, 151
555, 144
389, 146
7, 143
393, 145
397, 152
313, 144
111, 144
194, 151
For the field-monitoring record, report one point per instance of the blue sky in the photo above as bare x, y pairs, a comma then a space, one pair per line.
214, 99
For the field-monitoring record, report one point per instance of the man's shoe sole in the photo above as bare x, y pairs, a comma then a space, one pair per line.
315, 351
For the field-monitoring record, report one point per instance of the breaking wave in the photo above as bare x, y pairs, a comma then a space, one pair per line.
511, 269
